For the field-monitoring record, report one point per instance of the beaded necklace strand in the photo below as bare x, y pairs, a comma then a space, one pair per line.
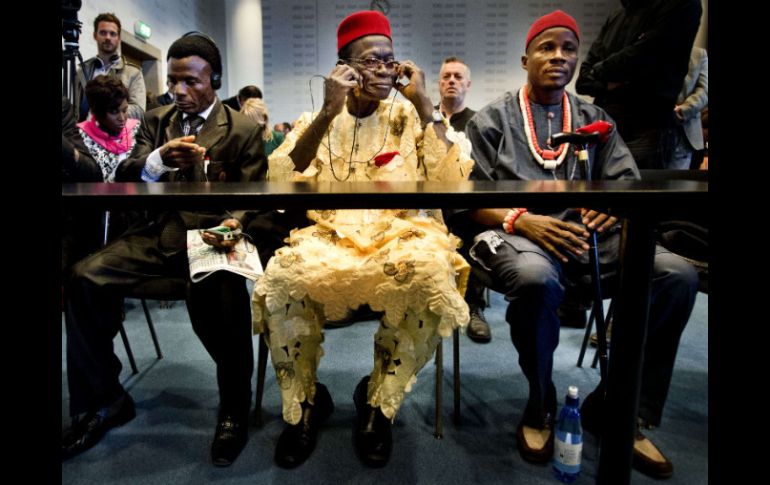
548, 159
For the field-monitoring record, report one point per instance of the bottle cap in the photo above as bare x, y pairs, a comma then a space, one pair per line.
572, 392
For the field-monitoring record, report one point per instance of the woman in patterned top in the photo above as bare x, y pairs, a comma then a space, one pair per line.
108, 133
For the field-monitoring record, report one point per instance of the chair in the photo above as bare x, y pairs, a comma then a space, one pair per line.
590, 326
170, 289
485, 280
263, 351
439, 362
686, 236
688, 239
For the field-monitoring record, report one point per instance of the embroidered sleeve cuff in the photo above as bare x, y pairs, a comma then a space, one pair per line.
154, 168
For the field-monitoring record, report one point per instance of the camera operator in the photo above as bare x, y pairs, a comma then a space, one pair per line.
109, 62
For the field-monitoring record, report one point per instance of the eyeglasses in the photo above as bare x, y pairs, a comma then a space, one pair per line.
374, 63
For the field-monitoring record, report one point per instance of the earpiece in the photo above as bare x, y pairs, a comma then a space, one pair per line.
216, 77
216, 80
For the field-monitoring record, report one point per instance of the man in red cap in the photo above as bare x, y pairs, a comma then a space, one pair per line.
532, 254
402, 263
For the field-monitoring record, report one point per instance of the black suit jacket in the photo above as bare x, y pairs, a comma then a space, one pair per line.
235, 148
233, 144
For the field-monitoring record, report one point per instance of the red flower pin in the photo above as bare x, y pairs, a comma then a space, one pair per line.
384, 158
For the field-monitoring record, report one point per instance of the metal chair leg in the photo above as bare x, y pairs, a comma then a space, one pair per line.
607, 321
595, 360
586, 337
261, 367
456, 373
127, 345
439, 432
152, 329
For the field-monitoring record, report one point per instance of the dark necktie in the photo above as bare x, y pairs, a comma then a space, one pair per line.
173, 235
194, 123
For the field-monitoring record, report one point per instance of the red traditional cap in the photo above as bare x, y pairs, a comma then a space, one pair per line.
359, 24
557, 18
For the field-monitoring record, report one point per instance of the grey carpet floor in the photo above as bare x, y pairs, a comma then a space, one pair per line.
169, 440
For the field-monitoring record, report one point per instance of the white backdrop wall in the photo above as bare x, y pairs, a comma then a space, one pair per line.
300, 41
244, 43
279, 45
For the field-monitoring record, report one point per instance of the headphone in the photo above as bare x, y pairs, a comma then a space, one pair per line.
99, 63
216, 77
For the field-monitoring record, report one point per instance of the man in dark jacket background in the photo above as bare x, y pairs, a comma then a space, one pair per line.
635, 70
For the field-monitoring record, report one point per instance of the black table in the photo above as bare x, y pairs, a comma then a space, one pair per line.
624, 197
643, 203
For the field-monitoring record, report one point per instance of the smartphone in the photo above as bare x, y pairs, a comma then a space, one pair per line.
223, 233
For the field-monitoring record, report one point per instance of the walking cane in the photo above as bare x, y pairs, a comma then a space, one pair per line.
581, 138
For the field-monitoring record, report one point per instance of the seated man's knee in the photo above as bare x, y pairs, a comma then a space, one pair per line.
220, 279
539, 278
87, 269
675, 272
221, 285
535, 283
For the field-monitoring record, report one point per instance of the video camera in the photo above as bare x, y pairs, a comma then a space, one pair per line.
70, 25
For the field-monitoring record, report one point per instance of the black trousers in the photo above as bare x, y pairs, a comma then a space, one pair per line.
534, 284
219, 310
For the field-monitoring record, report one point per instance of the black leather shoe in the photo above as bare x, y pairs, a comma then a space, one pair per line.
297, 441
87, 432
590, 413
229, 439
478, 328
372, 436
572, 316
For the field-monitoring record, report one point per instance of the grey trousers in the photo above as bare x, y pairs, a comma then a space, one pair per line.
534, 283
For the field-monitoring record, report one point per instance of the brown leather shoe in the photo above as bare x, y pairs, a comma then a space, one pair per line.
649, 460
595, 337
535, 433
478, 328
535, 444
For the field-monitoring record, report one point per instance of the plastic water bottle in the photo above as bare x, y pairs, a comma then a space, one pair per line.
568, 442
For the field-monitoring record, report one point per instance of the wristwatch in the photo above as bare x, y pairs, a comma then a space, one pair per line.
436, 117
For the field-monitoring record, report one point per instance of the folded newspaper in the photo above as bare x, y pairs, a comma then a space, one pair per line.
205, 259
